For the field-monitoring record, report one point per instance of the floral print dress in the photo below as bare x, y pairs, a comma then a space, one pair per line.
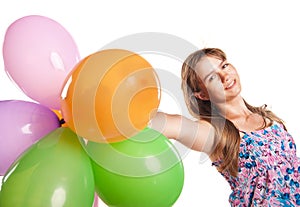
269, 170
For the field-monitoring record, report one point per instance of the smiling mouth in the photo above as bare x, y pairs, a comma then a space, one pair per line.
230, 85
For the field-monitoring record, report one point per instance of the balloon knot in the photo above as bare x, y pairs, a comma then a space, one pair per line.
61, 122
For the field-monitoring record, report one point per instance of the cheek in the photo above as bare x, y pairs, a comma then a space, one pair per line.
233, 71
216, 91
215, 85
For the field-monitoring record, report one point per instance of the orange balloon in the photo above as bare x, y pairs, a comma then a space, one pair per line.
111, 95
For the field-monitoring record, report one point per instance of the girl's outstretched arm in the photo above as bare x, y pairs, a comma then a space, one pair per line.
197, 135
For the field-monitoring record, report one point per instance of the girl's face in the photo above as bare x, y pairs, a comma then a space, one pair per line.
220, 80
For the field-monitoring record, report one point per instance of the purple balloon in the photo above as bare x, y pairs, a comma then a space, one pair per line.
22, 123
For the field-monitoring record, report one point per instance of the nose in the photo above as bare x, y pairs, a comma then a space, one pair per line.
223, 76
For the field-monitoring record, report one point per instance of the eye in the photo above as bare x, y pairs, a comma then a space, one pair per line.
212, 77
225, 65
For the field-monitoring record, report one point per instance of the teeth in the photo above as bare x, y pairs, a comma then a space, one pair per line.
231, 84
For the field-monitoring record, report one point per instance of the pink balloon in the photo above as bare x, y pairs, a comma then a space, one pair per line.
38, 55
21, 125
96, 201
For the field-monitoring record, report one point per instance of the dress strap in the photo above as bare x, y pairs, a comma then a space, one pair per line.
243, 132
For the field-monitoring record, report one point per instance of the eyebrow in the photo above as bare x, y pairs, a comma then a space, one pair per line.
212, 71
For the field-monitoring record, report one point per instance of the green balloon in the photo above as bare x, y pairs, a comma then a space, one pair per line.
54, 172
143, 171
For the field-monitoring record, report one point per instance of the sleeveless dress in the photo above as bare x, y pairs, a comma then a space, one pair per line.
269, 170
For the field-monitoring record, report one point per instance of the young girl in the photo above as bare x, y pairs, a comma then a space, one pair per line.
248, 145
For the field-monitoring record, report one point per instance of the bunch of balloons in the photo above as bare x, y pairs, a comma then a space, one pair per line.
85, 135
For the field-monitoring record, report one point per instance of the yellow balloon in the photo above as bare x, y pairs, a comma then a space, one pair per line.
59, 115
110, 95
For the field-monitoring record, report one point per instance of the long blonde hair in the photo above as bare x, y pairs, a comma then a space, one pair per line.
227, 149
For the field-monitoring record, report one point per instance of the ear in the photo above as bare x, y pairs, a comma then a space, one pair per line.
201, 95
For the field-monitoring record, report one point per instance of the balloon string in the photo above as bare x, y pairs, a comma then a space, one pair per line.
61, 122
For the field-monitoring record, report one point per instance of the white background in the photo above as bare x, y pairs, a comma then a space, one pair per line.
261, 38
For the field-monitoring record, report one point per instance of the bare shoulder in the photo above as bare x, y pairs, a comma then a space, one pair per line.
205, 137
206, 124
